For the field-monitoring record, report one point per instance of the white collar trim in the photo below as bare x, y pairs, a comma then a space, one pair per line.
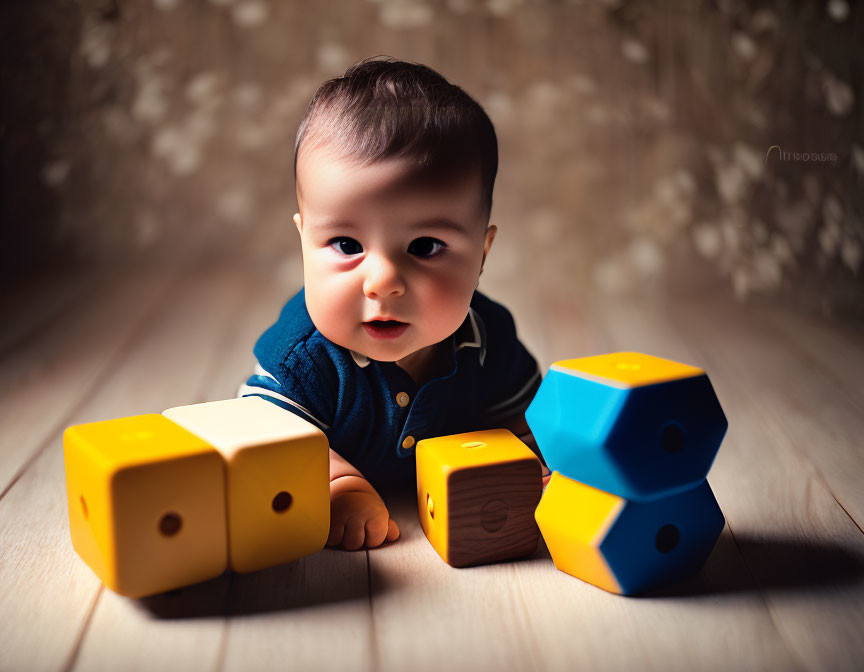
360, 360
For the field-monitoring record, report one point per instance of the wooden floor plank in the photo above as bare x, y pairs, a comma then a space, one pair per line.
692, 627
48, 592
440, 618
49, 376
795, 394
30, 307
168, 369
837, 348
312, 614
800, 546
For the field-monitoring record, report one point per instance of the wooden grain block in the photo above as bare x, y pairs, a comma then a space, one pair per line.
476, 494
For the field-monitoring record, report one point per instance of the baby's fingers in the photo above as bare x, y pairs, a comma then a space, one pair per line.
376, 530
392, 531
355, 534
337, 531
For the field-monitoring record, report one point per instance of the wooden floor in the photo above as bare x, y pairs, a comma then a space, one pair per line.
783, 589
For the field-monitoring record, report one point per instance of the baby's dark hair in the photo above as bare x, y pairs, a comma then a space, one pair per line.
382, 108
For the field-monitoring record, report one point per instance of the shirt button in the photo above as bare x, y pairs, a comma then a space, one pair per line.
408, 442
402, 399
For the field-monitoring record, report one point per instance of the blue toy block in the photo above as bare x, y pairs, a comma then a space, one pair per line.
634, 425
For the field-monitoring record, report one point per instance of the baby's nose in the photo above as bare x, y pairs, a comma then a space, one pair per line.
383, 279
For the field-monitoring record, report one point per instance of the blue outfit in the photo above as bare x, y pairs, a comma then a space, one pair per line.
372, 412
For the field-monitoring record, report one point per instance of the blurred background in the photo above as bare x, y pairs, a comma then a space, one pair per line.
645, 146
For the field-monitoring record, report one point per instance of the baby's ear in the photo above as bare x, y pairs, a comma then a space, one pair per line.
487, 245
298, 222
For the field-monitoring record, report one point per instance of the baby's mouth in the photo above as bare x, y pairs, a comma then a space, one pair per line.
385, 323
385, 328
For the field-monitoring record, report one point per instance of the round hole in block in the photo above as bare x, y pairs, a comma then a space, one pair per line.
170, 524
667, 538
672, 439
474, 444
282, 502
430, 506
494, 515
84, 508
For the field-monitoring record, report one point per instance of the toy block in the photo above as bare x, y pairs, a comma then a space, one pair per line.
627, 547
277, 478
146, 504
635, 425
476, 493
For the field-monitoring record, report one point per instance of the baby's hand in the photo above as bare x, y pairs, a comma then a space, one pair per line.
359, 519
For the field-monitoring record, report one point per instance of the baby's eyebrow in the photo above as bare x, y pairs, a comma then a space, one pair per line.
428, 223
439, 223
334, 224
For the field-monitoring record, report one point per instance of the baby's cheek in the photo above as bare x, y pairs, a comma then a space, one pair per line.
448, 305
330, 307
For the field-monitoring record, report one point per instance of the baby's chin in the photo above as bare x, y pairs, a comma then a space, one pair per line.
384, 351
380, 353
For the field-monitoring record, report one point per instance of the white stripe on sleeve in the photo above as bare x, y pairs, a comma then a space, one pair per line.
516, 397
250, 389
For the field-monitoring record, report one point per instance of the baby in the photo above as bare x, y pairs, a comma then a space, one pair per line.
389, 342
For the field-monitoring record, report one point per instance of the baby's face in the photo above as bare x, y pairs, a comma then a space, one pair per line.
380, 244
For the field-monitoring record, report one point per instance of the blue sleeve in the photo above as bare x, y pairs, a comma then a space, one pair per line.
295, 388
511, 375
294, 372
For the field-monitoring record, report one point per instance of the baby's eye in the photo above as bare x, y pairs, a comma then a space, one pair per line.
345, 245
426, 247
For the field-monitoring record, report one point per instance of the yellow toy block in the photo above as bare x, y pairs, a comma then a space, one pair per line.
628, 369
278, 485
623, 546
146, 504
476, 493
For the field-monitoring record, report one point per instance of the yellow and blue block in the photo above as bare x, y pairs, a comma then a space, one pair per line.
631, 438
623, 546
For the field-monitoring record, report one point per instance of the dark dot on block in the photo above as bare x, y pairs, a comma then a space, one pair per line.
84, 508
282, 502
430, 506
170, 524
494, 515
672, 439
667, 538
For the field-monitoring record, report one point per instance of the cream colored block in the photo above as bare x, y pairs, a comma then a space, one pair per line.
278, 485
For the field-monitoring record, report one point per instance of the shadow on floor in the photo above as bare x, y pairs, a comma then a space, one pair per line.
772, 564
308, 583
